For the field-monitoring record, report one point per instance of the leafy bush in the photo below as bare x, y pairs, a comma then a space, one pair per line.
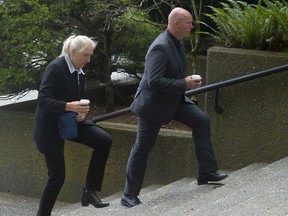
262, 26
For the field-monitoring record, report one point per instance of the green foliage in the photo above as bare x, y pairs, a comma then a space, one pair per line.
32, 32
29, 39
280, 11
134, 37
252, 26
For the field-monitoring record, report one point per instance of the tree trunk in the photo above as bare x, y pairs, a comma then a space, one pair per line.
109, 90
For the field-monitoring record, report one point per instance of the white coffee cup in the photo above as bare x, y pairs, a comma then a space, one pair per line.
85, 101
196, 77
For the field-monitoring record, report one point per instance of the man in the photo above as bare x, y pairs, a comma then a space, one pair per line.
160, 98
61, 89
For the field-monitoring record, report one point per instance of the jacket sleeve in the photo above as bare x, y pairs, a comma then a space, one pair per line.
48, 92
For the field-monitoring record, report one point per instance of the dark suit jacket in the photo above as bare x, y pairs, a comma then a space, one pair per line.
58, 86
163, 85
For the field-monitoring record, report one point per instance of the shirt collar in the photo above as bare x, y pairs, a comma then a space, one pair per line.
175, 40
71, 67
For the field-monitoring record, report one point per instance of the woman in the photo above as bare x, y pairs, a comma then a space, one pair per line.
61, 89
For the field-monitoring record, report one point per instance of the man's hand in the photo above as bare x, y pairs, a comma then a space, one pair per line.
193, 82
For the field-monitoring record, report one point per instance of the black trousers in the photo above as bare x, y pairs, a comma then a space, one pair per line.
188, 114
89, 135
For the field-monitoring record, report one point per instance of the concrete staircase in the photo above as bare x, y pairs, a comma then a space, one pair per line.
258, 189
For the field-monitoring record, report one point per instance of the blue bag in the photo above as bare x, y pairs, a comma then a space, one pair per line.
68, 127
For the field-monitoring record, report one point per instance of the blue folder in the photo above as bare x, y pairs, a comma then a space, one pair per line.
68, 127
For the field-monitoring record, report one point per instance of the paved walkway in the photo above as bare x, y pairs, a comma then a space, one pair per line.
15, 205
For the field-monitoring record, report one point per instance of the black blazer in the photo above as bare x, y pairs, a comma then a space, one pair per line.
58, 86
163, 84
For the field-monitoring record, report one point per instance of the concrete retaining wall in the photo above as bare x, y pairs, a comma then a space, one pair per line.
254, 122
23, 169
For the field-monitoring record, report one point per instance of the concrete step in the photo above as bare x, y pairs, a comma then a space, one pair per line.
272, 201
258, 189
156, 197
267, 183
145, 190
15, 205
235, 181
194, 192
163, 199
114, 201
116, 209
235, 191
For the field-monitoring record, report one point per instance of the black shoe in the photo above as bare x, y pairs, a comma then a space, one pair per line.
90, 197
214, 176
130, 201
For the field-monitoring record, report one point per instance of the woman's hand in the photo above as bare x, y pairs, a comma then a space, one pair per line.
78, 107
80, 117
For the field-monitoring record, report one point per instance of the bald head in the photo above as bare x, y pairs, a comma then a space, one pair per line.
180, 22
177, 14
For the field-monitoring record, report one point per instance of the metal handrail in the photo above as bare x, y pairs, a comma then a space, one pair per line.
215, 86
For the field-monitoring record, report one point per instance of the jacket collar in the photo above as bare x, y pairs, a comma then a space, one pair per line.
71, 67
173, 43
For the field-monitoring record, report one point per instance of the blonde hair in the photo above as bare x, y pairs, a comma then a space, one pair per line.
79, 43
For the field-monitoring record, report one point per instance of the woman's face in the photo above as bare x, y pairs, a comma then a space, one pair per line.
80, 59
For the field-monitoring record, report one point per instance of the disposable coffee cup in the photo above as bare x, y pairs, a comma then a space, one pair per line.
85, 101
196, 77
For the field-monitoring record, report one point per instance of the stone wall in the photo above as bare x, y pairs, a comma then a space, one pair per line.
23, 169
253, 125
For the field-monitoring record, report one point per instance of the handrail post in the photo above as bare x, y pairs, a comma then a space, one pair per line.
218, 109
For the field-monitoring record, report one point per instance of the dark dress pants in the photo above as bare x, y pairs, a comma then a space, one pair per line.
192, 116
188, 114
89, 135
